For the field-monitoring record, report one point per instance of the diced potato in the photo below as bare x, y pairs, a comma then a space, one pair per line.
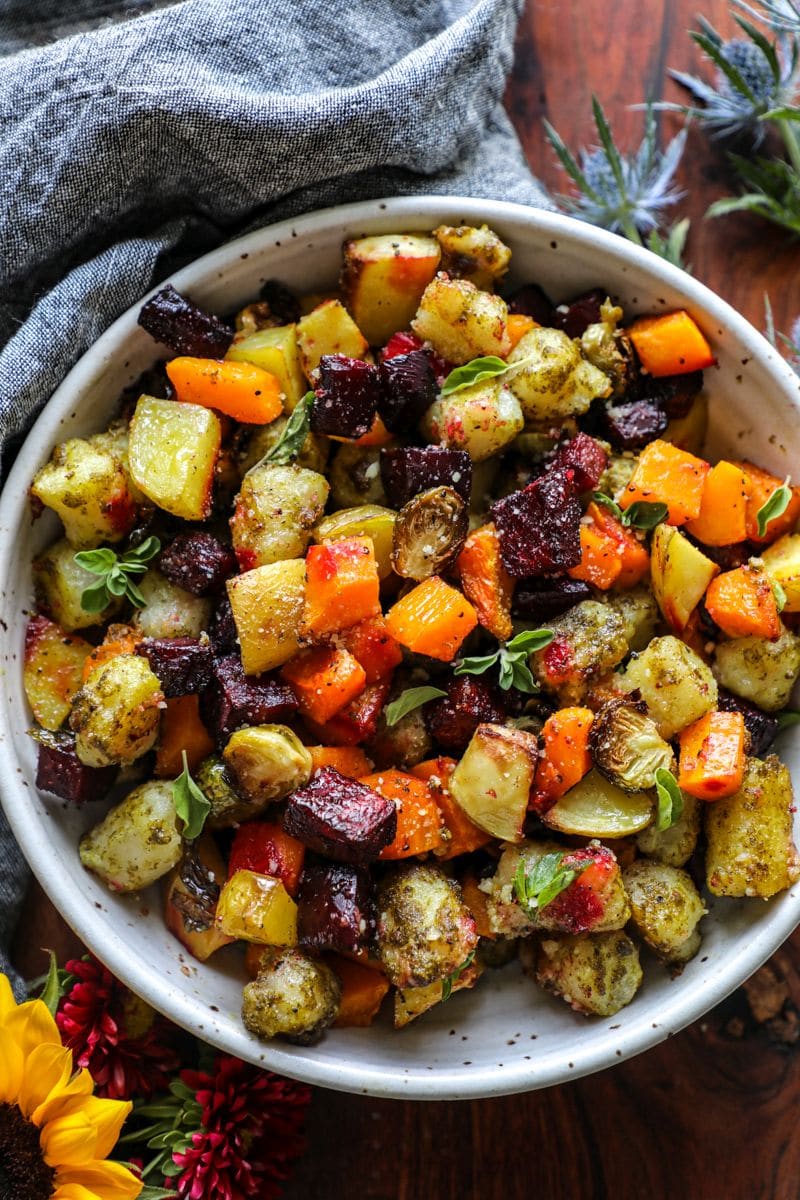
412, 1002
482, 419
680, 574
59, 584
173, 452
328, 329
460, 322
257, 908
749, 846
595, 807
276, 510
472, 253
53, 670
137, 842
355, 477
267, 605
666, 908
557, 381
588, 642
275, 350
425, 931
595, 973
640, 613
190, 900
674, 682
689, 432
782, 563
87, 487
266, 762
293, 996
263, 438
674, 846
169, 610
115, 439
758, 670
116, 713
383, 278
492, 782
365, 520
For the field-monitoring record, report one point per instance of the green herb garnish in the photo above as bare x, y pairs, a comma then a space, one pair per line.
642, 514
115, 573
476, 371
512, 658
447, 984
548, 878
408, 700
670, 800
294, 434
787, 718
54, 985
190, 803
774, 506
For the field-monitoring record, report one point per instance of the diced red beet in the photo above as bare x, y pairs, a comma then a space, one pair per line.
198, 562
632, 425
233, 699
470, 702
283, 305
182, 665
533, 301
61, 772
356, 722
583, 455
762, 726
187, 329
346, 400
675, 394
576, 317
400, 343
335, 909
408, 470
263, 847
539, 600
408, 388
222, 627
539, 527
341, 818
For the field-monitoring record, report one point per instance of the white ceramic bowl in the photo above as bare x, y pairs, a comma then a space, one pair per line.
506, 1036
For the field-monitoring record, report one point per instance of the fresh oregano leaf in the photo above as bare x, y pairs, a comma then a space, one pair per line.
547, 879
529, 641
408, 700
447, 984
645, 514
780, 596
512, 659
294, 434
115, 574
190, 803
488, 367
774, 506
670, 800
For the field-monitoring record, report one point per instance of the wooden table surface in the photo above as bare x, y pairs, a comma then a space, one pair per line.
709, 1115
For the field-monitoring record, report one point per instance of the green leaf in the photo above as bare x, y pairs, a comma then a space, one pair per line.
476, 666
671, 246
780, 596
607, 502
787, 718
53, 988
670, 799
99, 561
734, 76
645, 514
156, 1193
134, 595
138, 555
447, 984
115, 573
96, 597
529, 641
522, 678
569, 163
116, 582
294, 434
488, 367
190, 803
774, 506
548, 878
408, 700
607, 142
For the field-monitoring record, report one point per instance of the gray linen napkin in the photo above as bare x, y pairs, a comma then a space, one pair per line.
157, 132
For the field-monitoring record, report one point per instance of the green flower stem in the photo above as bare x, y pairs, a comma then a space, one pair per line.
790, 141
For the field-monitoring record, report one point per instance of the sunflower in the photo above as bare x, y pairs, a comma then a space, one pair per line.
54, 1133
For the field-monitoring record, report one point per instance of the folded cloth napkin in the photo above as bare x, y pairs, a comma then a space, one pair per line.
156, 131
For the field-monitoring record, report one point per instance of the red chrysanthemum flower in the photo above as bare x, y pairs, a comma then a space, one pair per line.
116, 1036
252, 1131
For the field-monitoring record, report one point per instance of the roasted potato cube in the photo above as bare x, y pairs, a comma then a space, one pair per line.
263, 438
115, 440
588, 642
266, 762
492, 782
355, 477
750, 850
169, 610
59, 583
115, 715
267, 605
173, 452
679, 573
383, 278
758, 670
665, 908
257, 908
674, 846
190, 899
475, 254
482, 419
595, 807
674, 682
782, 563
275, 350
460, 322
595, 973
425, 931
365, 520
556, 381
53, 670
137, 841
276, 510
87, 487
412, 1002
328, 329
293, 996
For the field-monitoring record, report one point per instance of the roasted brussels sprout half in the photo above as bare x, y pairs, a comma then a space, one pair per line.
428, 533
266, 762
227, 806
293, 996
425, 931
608, 349
626, 746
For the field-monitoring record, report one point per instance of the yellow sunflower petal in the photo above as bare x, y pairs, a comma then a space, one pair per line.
81, 1084
106, 1118
32, 1024
74, 1191
7, 1001
47, 1072
110, 1180
12, 1066
68, 1141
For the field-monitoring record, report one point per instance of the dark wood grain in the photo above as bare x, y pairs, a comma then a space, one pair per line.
711, 1114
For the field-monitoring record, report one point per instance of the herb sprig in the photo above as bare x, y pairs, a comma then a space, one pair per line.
512, 658
642, 514
669, 798
773, 507
476, 371
547, 878
408, 700
190, 802
115, 574
447, 983
293, 434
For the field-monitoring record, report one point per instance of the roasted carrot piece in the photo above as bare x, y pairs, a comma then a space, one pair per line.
119, 639
722, 520
433, 619
374, 647
486, 582
742, 603
664, 474
475, 901
324, 681
419, 822
363, 990
760, 486
712, 756
358, 720
378, 435
566, 758
342, 585
670, 344
240, 390
633, 554
517, 325
181, 729
601, 562
464, 836
347, 760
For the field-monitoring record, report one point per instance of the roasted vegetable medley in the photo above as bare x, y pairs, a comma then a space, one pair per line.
405, 628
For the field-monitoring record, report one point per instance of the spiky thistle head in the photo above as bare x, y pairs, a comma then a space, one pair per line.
783, 16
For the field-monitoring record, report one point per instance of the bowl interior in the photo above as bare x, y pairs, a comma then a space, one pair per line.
505, 1036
